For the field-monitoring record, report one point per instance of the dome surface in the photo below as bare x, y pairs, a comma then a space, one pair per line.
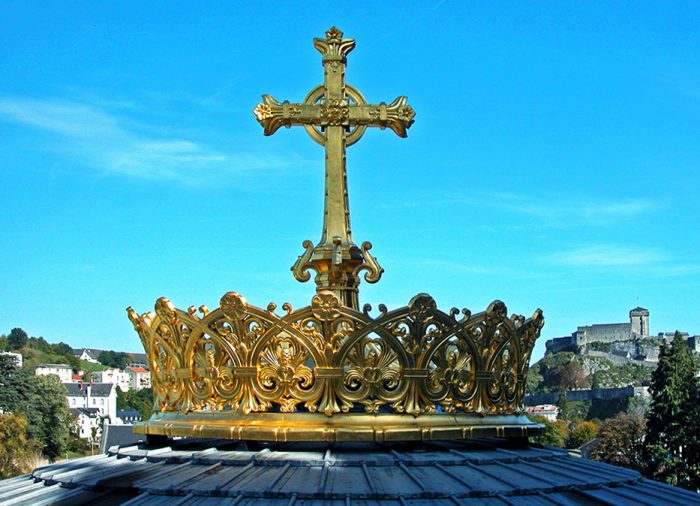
488, 472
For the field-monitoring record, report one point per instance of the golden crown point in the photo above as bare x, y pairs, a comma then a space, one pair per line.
330, 371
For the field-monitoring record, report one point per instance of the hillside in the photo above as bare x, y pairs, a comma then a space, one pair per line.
36, 351
568, 370
32, 357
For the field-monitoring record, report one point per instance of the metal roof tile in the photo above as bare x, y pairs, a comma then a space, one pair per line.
473, 472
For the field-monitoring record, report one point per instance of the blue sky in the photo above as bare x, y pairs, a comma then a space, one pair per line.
553, 162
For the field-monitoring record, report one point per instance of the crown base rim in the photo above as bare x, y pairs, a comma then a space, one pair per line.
284, 427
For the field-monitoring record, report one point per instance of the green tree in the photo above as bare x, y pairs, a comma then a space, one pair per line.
61, 349
39, 343
50, 419
73, 361
553, 434
542, 372
621, 441
17, 450
17, 339
42, 401
671, 448
581, 434
570, 376
534, 380
139, 400
116, 359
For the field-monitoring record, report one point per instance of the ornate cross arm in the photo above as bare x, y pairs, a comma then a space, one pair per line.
335, 115
272, 114
398, 115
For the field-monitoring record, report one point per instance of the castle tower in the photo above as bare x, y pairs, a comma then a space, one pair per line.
639, 321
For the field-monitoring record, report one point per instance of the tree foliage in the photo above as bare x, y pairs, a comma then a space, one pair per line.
17, 338
672, 446
42, 402
117, 359
139, 400
570, 376
621, 441
581, 434
17, 450
553, 434
557, 372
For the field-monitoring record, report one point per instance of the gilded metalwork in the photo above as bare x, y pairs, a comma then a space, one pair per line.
330, 371
285, 427
332, 359
336, 115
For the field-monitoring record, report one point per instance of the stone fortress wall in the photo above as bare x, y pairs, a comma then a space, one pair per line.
619, 342
604, 333
589, 395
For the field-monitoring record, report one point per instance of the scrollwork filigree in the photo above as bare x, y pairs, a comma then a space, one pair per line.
329, 358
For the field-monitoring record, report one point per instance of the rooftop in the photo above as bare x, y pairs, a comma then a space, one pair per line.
97, 390
486, 472
85, 411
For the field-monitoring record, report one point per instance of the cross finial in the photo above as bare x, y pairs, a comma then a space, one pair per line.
334, 35
336, 115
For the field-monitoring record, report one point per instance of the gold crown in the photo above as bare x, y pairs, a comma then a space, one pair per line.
330, 371
219, 373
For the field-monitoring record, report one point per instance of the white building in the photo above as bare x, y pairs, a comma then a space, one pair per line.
101, 397
63, 371
117, 377
140, 377
16, 356
548, 411
88, 422
86, 354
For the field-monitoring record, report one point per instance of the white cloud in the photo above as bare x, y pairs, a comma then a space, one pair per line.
557, 212
103, 142
606, 256
545, 211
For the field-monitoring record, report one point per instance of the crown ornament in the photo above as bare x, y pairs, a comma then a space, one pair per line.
332, 371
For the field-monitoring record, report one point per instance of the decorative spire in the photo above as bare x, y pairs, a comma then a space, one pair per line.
336, 115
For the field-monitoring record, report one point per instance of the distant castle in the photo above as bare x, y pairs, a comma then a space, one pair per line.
600, 335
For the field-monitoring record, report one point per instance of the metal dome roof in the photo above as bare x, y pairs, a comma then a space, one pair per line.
488, 472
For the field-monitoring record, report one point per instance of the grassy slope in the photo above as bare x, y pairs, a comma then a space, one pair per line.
33, 357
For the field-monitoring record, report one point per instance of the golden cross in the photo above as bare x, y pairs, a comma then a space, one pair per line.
336, 115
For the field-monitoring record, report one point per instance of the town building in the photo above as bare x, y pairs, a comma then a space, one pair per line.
87, 354
94, 396
88, 422
63, 371
548, 411
128, 416
17, 357
117, 377
140, 377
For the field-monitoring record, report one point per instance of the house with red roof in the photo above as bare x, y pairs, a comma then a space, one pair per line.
140, 377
